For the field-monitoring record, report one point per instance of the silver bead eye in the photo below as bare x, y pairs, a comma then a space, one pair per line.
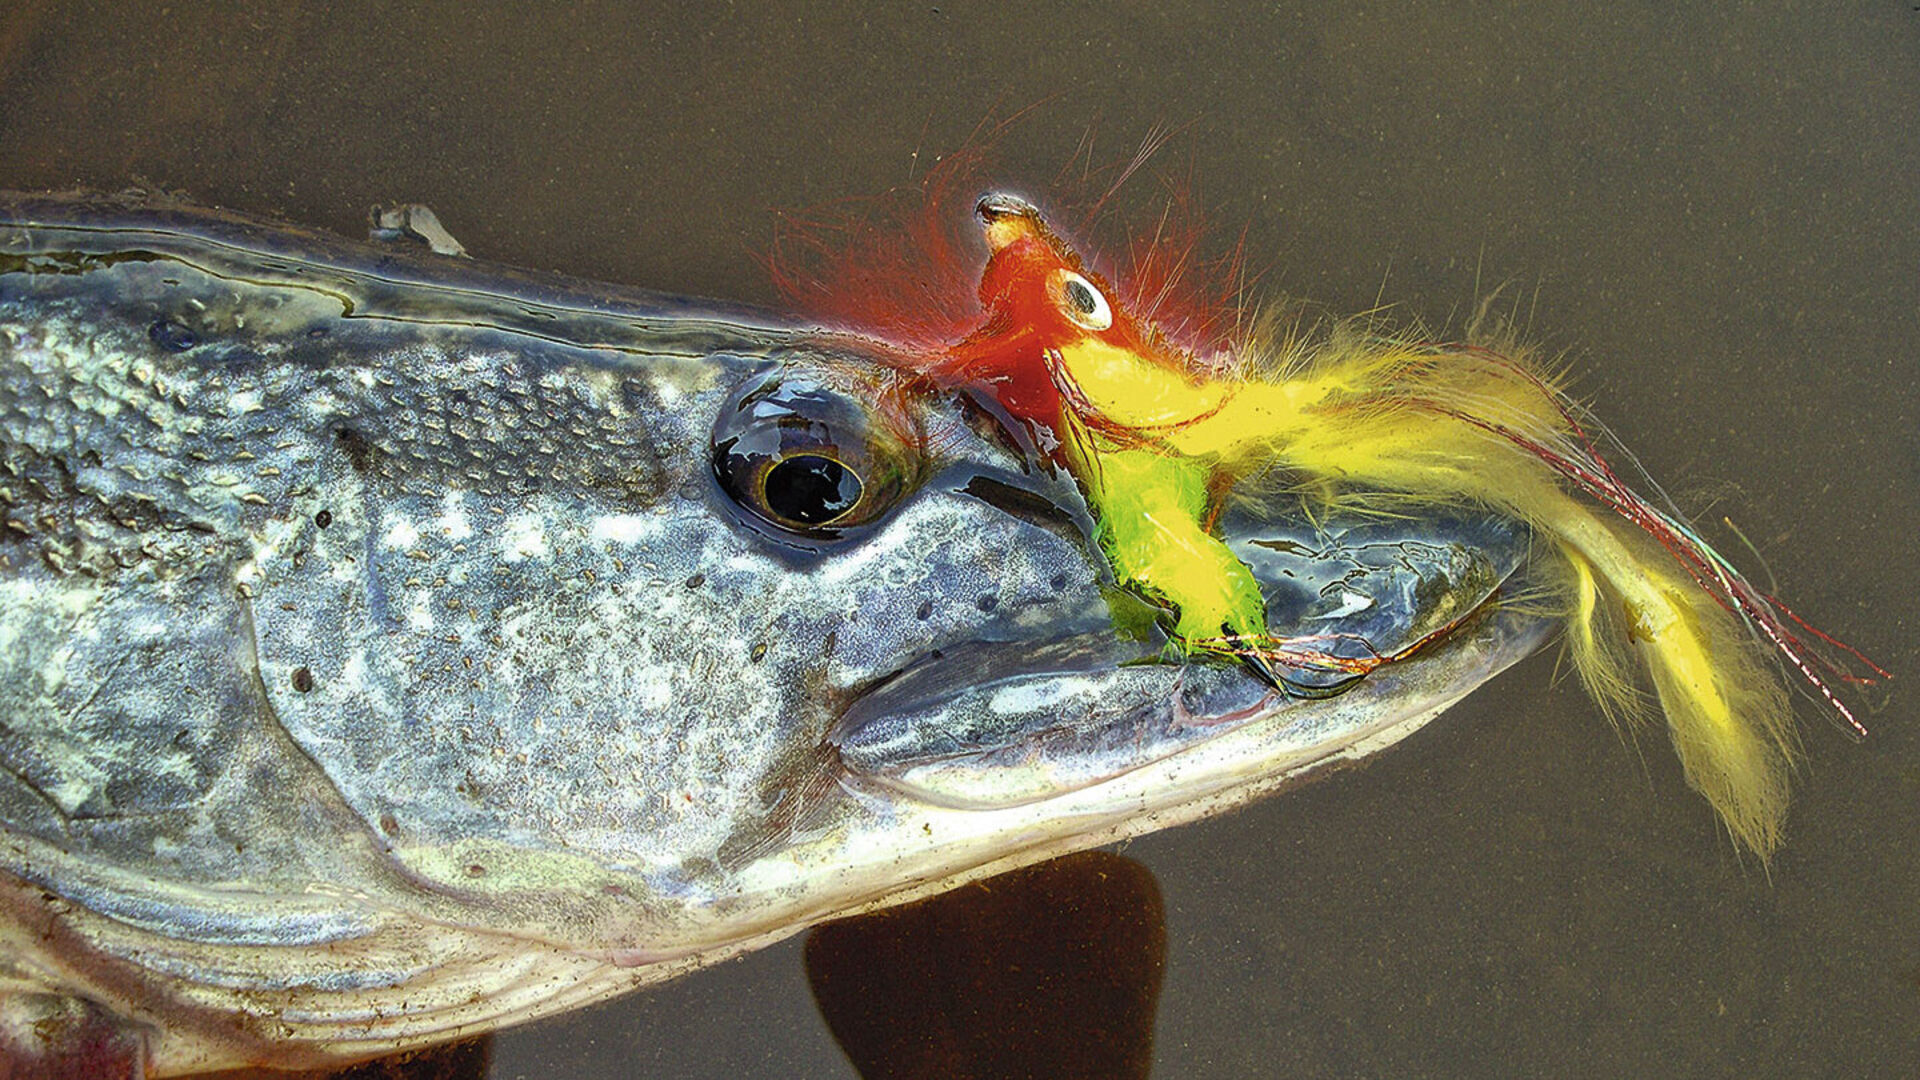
1082, 302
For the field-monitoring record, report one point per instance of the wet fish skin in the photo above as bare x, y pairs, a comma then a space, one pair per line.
291, 594
382, 661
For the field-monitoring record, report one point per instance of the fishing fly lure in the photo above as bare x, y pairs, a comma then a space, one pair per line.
1163, 428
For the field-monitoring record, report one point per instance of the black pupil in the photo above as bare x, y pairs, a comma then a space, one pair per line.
811, 490
1081, 297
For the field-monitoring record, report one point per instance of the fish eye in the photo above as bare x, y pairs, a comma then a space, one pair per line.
805, 459
1083, 303
810, 489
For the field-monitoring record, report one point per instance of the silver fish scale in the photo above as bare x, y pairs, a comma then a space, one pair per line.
125, 460
126, 680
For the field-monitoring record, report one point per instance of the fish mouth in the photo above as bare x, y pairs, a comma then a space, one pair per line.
988, 724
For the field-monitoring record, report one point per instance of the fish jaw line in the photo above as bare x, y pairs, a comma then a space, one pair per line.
929, 848
981, 726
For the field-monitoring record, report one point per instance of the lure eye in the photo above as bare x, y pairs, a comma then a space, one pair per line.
805, 459
1083, 303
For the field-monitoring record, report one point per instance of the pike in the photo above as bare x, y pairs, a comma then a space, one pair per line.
394, 647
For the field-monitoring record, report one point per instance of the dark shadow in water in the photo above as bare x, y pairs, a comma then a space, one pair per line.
1052, 971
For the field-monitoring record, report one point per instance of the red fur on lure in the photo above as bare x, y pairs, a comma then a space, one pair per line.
914, 268
903, 267
1023, 294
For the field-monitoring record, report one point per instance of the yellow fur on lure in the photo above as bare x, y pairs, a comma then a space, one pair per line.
1158, 438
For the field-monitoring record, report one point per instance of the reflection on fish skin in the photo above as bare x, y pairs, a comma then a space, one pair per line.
1051, 971
471, 1060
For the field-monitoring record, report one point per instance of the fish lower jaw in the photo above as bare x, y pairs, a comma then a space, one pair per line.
930, 848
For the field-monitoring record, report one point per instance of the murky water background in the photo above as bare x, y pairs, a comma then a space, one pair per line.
1716, 210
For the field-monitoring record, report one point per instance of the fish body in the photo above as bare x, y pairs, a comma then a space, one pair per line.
394, 647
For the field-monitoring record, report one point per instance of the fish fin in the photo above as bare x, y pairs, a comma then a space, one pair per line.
55, 1037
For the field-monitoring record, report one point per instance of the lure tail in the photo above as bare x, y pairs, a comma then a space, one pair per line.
1727, 711
1464, 423
1395, 426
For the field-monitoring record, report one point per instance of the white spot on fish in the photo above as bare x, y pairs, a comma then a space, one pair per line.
523, 537
245, 401
654, 693
452, 521
353, 673
420, 615
73, 789
401, 535
1037, 694
625, 528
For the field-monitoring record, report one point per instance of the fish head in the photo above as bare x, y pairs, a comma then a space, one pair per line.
1063, 715
963, 687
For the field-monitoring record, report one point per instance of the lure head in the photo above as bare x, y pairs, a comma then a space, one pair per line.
1036, 282
1043, 309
